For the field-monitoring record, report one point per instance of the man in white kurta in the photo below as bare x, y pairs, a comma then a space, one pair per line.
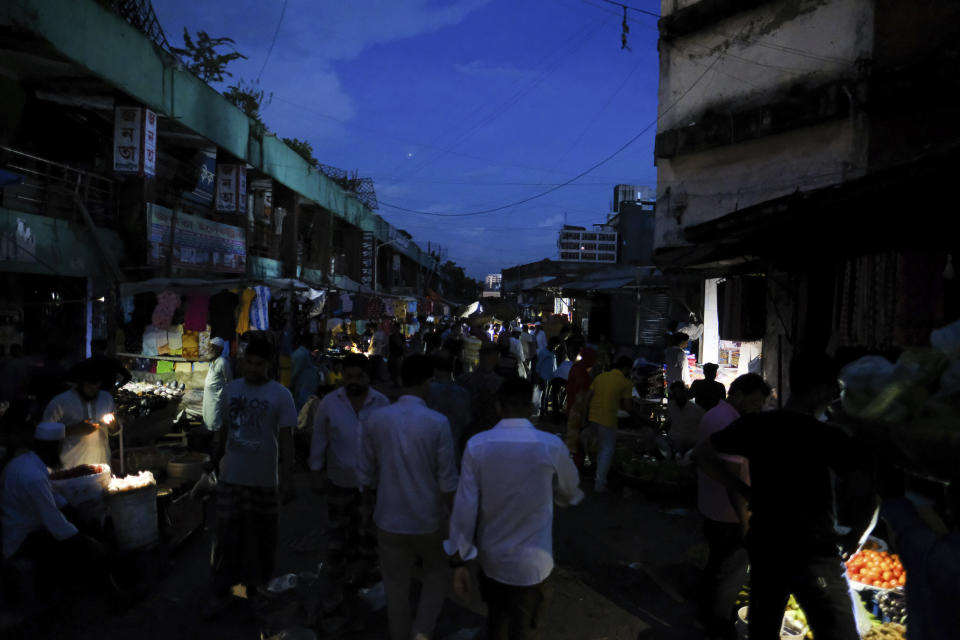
89, 416
218, 375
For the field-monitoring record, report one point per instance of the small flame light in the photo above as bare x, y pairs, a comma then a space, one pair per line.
108, 419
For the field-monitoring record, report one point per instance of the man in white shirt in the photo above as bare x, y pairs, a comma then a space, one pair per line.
218, 375
529, 342
541, 336
675, 359
84, 411
683, 418
510, 478
255, 448
335, 449
34, 529
407, 456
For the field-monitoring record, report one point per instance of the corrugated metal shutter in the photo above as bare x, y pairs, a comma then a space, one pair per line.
652, 317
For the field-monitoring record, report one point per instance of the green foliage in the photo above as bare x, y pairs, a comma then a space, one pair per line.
249, 98
303, 148
203, 59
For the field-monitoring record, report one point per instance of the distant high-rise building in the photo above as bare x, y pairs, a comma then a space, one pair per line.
631, 193
491, 285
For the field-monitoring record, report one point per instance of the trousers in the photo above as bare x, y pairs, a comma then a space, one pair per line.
398, 554
515, 613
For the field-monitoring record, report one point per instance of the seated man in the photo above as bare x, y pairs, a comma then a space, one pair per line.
34, 529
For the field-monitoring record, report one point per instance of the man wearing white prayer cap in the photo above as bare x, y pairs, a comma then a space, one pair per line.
218, 375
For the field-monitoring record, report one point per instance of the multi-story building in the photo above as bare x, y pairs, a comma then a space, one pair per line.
804, 153
117, 165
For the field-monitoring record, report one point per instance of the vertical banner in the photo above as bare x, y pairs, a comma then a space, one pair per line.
207, 175
366, 259
148, 165
232, 188
135, 141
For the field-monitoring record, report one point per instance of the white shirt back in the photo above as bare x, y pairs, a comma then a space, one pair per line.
335, 445
407, 453
503, 511
27, 503
69, 408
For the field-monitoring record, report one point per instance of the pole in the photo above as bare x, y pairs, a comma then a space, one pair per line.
122, 464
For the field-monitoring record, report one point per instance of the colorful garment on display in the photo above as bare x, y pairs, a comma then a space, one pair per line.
412, 307
175, 340
260, 309
191, 345
206, 349
346, 302
197, 311
246, 300
164, 366
154, 341
167, 304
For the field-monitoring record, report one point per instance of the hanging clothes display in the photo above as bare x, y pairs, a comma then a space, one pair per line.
167, 304
128, 306
243, 319
260, 309
197, 311
346, 302
206, 349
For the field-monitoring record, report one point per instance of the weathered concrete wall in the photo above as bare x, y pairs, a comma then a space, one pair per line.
749, 60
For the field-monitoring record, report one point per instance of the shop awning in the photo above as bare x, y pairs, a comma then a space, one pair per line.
8, 178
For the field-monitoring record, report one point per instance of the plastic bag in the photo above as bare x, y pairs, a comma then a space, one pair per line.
947, 339
863, 380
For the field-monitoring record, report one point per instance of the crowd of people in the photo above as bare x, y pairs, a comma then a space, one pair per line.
441, 453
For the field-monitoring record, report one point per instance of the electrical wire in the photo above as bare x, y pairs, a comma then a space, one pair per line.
273, 42
576, 177
626, 6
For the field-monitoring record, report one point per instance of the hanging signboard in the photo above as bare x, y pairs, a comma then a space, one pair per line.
366, 259
206, 178
135, 141
198, 243
232, 188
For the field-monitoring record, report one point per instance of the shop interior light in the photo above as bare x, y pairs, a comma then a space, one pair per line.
108, 419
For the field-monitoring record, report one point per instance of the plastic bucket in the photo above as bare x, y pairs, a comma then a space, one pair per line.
134, 515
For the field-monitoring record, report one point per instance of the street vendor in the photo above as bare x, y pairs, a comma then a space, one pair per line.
218, 375
33, 526
89, 416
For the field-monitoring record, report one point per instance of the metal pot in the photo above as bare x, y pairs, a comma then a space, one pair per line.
186, 468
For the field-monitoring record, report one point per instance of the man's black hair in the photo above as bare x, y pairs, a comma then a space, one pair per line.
87, 371
515, 393
679, 338
553, 342
99, 344
260, 348
356, 361
811, 370
442, 360
416, 370
749, 383
623, 362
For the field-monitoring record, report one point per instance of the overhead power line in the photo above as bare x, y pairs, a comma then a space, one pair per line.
629, 8
576, 177
273, 42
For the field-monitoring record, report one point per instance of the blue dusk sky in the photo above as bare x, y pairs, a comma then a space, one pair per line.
456, 106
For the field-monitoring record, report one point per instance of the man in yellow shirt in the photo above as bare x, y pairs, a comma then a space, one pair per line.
609, 393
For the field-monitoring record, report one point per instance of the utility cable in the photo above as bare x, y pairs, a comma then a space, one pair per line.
576, 177
626, 6
273, 42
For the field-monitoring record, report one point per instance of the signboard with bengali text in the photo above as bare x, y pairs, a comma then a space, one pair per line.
198, 243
